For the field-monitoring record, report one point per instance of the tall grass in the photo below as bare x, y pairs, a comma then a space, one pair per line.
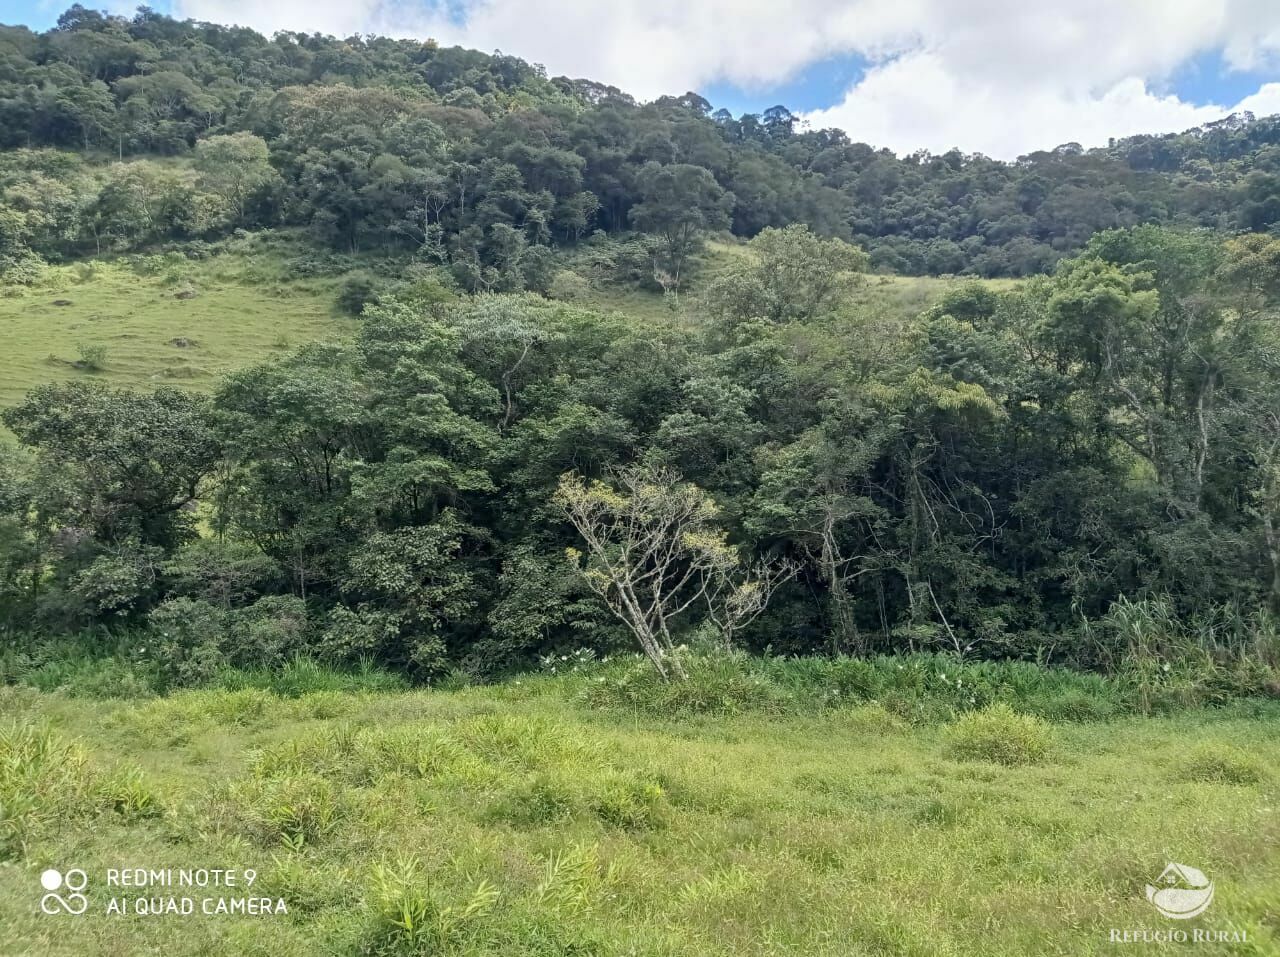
1149, 659
1165, 660
920, 687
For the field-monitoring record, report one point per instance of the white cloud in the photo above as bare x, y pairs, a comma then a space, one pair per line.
996, 76
914, 102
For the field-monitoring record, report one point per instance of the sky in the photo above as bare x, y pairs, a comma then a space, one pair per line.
1000, 77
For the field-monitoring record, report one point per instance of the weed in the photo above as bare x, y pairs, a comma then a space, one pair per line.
1000, 734
127, 791
572, 880
538, 800
1222, 764
295, 810
408, 916
630, 802
93, 358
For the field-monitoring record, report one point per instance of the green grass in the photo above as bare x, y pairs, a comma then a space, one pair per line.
122, 322
898, 296
532, 818
241, 313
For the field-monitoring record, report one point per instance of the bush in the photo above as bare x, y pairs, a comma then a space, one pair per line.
186, 637
357, 291
568, 286
92, 358
999, 734
22, 269
115, 583
351, 636
267, 632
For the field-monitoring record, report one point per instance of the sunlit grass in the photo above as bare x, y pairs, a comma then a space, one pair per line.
150, 336
521, 820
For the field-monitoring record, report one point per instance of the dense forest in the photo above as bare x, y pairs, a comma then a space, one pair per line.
485, 163
490, 471
1001, 477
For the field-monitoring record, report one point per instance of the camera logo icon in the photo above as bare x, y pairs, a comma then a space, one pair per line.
64, 892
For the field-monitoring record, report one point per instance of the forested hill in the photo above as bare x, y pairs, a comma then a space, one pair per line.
486, 163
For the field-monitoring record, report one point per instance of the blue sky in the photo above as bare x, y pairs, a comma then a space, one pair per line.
996, 76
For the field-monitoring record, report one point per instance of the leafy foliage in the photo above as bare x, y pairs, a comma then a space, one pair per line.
484, 163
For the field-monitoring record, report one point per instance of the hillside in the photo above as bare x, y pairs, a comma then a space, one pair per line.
150, 335
248, 305
123, 132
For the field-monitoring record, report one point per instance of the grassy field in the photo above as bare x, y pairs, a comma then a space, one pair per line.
151, 335
533, 819
163, 320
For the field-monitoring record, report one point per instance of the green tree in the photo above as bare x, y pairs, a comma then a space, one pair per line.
232, 167
679, 203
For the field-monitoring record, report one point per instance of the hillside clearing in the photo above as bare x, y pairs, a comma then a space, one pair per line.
150, 335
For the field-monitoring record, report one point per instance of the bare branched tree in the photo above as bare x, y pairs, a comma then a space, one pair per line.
653, 551
732, 604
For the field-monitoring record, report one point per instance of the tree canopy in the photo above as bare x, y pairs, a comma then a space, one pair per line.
485, 162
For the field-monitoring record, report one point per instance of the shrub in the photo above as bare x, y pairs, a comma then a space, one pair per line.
186, 636
357, 291
999, 734
351, 636
114, 583
92, 358
267, 632
22, 269
568, 286
220, 571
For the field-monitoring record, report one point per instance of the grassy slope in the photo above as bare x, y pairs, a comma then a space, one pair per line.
248, 307
845, 834
234, 320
